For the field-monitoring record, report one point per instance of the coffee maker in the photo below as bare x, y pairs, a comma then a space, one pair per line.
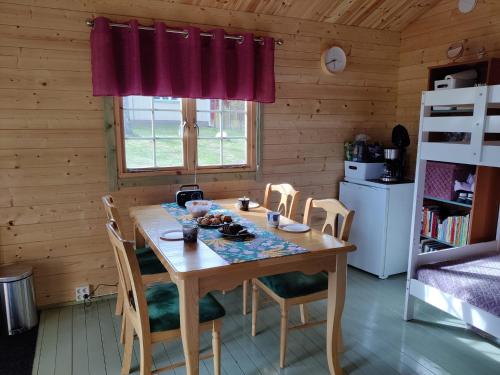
393, 165
395, 156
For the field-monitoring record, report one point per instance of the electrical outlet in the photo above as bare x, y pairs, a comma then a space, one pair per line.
81, 291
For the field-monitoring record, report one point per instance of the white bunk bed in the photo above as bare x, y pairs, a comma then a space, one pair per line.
477, 151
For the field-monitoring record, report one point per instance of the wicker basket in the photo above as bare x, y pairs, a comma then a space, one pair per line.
440, 179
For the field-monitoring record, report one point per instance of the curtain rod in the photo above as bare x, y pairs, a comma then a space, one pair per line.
90, 22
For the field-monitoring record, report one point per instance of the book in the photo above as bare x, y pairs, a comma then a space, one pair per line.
449, 227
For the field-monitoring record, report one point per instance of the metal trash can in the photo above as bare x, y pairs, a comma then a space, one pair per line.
17, 299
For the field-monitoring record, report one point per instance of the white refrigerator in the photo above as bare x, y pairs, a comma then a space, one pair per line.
381, 226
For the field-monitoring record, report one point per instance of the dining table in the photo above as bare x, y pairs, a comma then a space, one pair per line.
197, 269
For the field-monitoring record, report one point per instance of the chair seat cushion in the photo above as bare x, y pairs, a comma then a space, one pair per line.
163, 307
149, 264
296, 284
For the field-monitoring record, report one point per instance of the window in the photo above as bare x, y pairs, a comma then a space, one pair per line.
171, 135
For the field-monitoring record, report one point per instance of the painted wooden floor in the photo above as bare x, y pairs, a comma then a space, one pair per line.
84, 340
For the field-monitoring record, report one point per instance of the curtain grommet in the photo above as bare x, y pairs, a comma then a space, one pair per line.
241, 40
186, 34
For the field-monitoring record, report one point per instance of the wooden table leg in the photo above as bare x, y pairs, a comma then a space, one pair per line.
138, 238
336, 298
190, 323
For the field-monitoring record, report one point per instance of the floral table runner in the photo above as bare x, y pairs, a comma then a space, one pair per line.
264, 245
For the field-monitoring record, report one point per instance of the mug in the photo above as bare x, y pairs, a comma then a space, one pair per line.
273, 218
244, 202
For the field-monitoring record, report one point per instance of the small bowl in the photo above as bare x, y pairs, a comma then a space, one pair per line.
198, 208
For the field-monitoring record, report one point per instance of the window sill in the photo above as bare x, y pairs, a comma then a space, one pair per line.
184, 171
155, 178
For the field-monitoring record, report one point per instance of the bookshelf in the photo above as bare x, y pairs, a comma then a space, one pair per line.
482, 213
437, 240
446, 201
488, 71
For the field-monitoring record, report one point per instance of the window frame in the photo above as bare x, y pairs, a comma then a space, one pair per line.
190, 138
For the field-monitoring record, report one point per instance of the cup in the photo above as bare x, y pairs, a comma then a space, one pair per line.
244, 203
190, 232
273, 218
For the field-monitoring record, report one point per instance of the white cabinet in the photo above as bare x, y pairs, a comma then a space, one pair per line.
381, 227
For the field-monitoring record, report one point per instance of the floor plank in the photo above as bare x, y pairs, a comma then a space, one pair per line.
95, 347
39, 339
109, 344
80, 355
47, 362
64, 355
82, 340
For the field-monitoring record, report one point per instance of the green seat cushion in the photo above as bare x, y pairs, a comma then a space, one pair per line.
296, 284
149, 264
163, 307
144, 252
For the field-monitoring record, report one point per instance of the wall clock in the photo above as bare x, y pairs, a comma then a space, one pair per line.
333, 60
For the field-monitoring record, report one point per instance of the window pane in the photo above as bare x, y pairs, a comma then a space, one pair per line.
238, 105
208, 104
139, 153
234, 124
168, 124
152, 129
169, 153
209, 152
137, 102
209, 123
167, 103
138, 124
234, 151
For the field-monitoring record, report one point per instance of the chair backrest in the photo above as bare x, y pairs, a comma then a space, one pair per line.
287, 193
112, 212
334, 209
135, 304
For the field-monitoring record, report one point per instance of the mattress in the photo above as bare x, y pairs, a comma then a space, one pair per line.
473, 280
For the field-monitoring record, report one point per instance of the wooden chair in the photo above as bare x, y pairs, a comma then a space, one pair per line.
296, 288
153, 313
288, 193
151, 268
287, 206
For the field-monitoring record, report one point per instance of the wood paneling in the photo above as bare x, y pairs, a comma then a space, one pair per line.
375, 14
52, 145
424, 44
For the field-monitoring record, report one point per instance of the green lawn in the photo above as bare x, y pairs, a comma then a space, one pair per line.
139, 152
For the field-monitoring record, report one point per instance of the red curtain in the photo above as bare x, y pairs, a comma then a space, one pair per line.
132, 61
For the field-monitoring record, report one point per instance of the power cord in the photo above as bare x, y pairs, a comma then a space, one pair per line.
87, 298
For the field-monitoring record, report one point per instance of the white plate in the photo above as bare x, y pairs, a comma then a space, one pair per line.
251, 205
172, 235
295, 228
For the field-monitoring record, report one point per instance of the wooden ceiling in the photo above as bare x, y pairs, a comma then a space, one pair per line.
392, 15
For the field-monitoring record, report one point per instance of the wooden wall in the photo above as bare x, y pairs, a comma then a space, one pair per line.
425, 42
52, 156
